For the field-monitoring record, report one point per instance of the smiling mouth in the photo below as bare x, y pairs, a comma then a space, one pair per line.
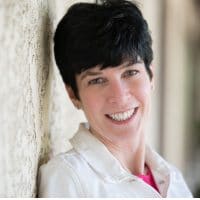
122, 116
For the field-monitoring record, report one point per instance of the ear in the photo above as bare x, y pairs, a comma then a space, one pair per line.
76, 102
152, 68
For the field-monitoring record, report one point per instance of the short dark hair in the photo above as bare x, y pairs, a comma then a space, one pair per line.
106, 35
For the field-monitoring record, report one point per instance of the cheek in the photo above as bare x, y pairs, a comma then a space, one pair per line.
146, 100
144, 94
91, 103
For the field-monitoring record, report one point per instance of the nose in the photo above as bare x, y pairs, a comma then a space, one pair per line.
118, 92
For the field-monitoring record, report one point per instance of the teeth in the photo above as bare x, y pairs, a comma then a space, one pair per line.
122, 116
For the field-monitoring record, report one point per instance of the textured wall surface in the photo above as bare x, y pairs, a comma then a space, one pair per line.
26, 29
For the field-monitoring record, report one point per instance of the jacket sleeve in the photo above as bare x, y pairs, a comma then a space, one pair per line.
58, 179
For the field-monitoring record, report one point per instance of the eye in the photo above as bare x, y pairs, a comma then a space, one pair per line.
130, 73
97, 81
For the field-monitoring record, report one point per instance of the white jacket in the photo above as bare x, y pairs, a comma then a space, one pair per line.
90, 170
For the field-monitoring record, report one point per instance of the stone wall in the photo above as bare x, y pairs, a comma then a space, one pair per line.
26, 29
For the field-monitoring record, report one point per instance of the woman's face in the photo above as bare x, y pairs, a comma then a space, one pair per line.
115, 100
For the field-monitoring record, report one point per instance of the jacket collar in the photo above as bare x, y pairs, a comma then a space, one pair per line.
90, 147
107, 165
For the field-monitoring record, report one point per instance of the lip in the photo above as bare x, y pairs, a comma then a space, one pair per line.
125, 121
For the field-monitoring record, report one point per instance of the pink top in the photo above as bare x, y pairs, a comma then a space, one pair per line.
148, 178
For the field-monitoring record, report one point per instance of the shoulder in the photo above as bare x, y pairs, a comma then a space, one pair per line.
177, 184
168, 168
63, 161
59, 177
165, 172
176, 175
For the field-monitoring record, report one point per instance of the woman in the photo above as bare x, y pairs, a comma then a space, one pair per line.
105, 57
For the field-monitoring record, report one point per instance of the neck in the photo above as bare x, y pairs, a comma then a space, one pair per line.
130, 152
130, 155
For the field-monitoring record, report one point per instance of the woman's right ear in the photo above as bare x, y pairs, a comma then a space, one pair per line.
76, 102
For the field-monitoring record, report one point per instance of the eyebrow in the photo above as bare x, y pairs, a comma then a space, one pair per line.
90, 73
